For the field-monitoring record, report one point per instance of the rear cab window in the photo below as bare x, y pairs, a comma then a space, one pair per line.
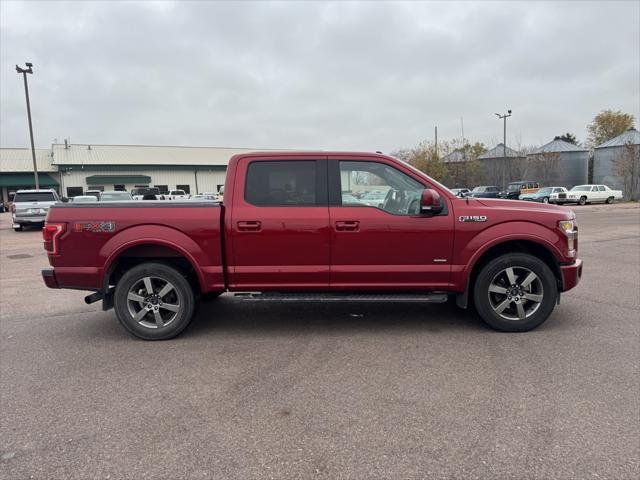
34, 197
287, 183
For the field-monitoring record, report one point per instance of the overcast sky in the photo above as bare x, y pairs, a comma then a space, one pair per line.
354, 76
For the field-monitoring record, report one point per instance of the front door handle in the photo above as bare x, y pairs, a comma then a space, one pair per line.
250, 226
348, 226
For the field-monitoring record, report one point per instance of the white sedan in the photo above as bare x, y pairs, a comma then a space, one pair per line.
582, 194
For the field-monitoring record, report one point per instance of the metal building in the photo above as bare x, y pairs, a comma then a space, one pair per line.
16, 171
72, 169
607, 157
558, 163
502, 165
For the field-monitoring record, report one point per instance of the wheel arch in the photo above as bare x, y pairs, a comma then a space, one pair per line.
519, 245
135, 253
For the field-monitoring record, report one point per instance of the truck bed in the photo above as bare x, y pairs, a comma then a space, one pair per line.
96, 234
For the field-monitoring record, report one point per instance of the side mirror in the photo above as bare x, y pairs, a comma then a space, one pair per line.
430, 202
64, 199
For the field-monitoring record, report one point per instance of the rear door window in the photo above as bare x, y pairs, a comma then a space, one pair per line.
282, 183
34, 197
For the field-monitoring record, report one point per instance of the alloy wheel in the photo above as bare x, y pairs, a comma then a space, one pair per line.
153, 302
515, 293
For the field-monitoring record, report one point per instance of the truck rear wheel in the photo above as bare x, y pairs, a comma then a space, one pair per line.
154, 301
515, 292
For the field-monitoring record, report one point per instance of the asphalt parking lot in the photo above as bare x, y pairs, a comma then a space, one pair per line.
325, 391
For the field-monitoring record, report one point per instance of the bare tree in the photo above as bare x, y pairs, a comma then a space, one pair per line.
628, 166
543, 167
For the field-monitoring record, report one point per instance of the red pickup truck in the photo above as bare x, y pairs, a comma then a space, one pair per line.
315, 226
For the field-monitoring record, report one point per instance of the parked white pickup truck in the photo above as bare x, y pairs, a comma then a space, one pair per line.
178, 195
582, 194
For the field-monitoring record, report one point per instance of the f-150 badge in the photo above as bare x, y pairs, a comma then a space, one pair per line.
472, 218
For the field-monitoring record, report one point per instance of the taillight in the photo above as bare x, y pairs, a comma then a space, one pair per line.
50, 234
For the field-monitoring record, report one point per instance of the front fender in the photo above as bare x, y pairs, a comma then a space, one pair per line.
469, 252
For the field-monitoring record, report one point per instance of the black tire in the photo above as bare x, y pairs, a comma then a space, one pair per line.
582, 201
181, 294
609, 200
483, 298
545, 200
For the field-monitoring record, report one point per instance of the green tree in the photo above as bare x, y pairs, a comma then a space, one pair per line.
607, 125
567, 137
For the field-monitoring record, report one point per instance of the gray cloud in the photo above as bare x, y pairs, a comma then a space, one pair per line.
335, 75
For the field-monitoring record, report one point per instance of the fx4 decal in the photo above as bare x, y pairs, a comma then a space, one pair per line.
95, 227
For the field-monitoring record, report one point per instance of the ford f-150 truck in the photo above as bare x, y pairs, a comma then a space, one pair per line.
284, 233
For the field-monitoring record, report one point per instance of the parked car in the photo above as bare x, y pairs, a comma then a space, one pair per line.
30, 207
220, 195
544, 195
521, 187
460, 192
94, 193
204, 196
84, 199
373, 198
146, 193
484, 191
115, 196
178, 195
292, 238
582, 194
348, 199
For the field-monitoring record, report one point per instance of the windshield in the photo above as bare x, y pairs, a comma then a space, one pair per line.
514, 187
145, 191
478, 189
544, 190
581, 188
34, 197
105, 197
85, 199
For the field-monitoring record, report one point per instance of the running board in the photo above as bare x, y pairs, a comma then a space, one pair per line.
343, 297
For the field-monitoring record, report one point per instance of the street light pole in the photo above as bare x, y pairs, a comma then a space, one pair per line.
504, 144
24, 72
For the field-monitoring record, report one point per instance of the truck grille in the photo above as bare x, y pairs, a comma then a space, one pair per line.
562, 195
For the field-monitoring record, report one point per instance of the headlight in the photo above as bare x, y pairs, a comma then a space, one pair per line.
570, 229
566, 225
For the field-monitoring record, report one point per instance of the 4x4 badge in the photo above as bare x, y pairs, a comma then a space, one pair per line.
472, 218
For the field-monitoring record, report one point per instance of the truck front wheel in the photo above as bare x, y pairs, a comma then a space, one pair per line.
154, 301
515, 292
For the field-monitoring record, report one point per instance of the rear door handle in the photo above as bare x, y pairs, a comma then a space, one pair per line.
250, 226
348, 226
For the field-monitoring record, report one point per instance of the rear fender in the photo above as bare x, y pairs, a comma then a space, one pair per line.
154, 235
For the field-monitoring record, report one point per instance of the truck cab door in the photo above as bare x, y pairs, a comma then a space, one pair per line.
279, 224
379, 238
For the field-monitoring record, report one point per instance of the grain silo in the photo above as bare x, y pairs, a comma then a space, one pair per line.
558, 163
607, 160
502, 165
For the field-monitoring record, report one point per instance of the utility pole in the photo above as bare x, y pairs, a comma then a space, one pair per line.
504, 145
24, 72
